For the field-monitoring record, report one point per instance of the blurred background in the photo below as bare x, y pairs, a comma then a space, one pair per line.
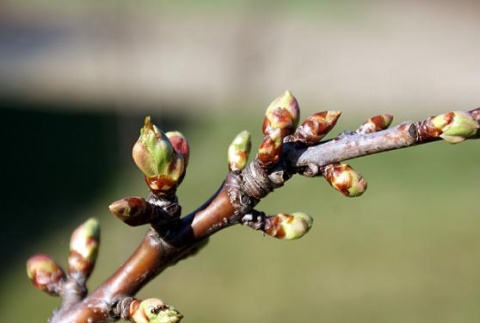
77, 78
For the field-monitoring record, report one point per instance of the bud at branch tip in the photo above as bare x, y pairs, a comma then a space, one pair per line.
455, 126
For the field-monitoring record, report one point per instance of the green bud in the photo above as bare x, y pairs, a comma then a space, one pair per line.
84, 245
153, 310
288, 226
315, 127
45, 274
455, 126
282, 113
376, 123
238, 151
345, 179
172, 177
153, 151
270, 149
162, 163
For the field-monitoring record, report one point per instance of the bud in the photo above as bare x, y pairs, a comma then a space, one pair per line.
45, 274
271, 148
162, 164
153, 310
84, 245
153, 151
180, 144
376, 123
288, 226
455, 126
132, 210
282, 113
315, 127
345, 179
238, 151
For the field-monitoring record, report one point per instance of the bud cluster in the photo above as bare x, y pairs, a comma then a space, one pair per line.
281, 120
162, 157
48, 276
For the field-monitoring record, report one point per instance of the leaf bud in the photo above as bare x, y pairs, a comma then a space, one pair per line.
317, 126
270, 149
45, 274
153, 310
376, 123
84, 245
282, 113
345, 179
132, 210
455, 126
288, 226
238, 151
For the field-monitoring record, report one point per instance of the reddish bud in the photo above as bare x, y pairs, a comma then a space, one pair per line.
270, 149
132, 210
282, 113
345, 179
45, 274
180, 144
315, 127
376, 123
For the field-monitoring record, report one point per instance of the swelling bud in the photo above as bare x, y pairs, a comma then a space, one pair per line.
153, 310
455, 126
288, 226
345, 179
282, 113
315, 127
45, 274
84, 245
238, 151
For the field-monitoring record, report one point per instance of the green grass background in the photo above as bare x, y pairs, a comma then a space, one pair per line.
406, 251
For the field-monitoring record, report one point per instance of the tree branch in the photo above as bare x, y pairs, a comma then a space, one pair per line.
285, 150
353, 145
